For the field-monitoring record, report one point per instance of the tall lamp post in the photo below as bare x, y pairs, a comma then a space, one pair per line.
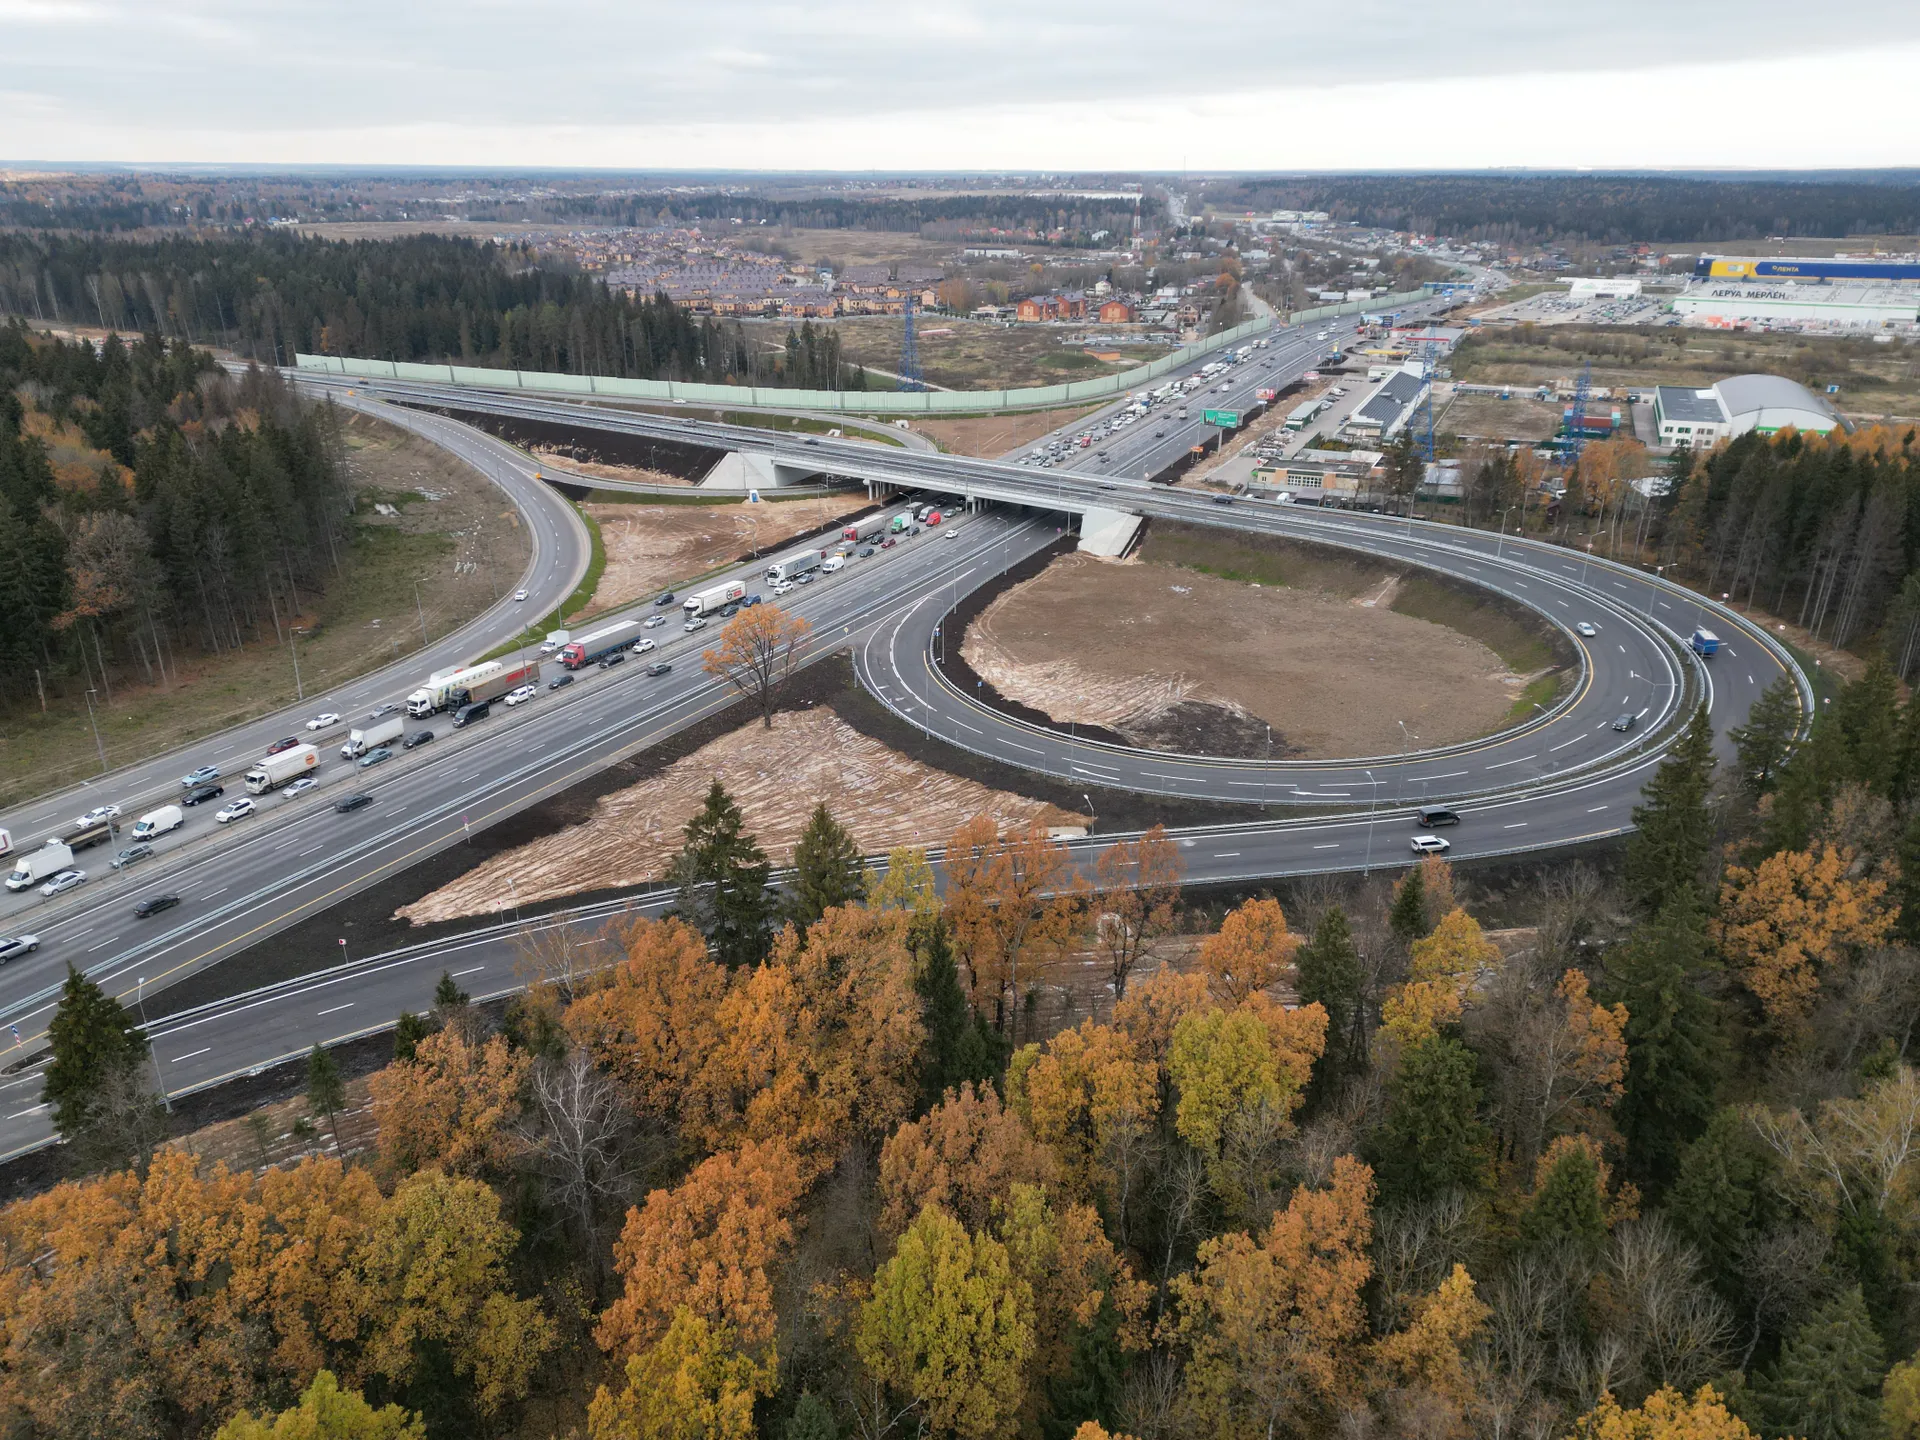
1372, 797
98, 743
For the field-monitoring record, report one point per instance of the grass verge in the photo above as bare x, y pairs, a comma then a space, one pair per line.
581, 597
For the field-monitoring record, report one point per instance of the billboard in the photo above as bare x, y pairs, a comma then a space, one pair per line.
1225, 419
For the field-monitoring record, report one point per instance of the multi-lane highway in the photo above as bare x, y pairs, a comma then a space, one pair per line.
1562, 777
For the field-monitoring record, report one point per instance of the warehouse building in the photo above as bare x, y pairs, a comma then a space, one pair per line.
1387, 409
1847, 307
1767, 403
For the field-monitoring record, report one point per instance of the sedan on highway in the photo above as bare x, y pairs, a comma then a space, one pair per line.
63, 882
99, 813
235, 810
644, 644
425, 737
698, 622
659, 667
321, 722
1430, 845
665, 597
519, 595
521, 694
12, 945
132, 855
279, 745
780, 587
154, 904
200, 794
300, 786
375, 756
619, 657
1585, 629
653, 622
347, 804
199, 777
560, 682
383, 711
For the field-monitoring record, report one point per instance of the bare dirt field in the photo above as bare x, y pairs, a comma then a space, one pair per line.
969, 354
1496, 419
652, 546
1174, 658
810, 756
595, 470
991, 436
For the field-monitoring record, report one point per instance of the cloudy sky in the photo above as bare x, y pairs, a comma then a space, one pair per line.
961, 84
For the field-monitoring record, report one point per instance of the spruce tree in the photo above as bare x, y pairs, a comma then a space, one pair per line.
1868, 715
95, 1044
1826, 1383
1765, 741
1407, 917
960, 1046
1566, 1209
722, 877
1329, 974
1673, 826
1723, 1195
827, 870
408, 1031
1675, 1051
1431, 1140
812, 1419
1805, 785
326, 1091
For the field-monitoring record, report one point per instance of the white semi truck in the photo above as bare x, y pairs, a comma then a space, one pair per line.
715, 597
273, 771
378, 733
470, 683
792, 567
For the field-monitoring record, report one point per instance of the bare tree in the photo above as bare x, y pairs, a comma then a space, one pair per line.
577, 1132
1135, 895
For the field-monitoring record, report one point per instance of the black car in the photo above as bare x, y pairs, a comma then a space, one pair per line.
666, 598
865, 551
418, 737
560, 682
1223, 499
347, 804
154, 904
467, 714
618, 657
729, 611
1623, 722
1432, 815
659, 667
200, 794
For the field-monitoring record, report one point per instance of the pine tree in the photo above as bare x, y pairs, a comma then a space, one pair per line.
1675, 1051
1765, 741
1329, 974
1805, 786
1723, 1195
95, 1043
1868, 714
1432, 1139
827, 870
1565, 1210
812, 1419
408, 1031
1407, 917
1826, 1383
326, 1091
722, 877
1673, 826
960, 1045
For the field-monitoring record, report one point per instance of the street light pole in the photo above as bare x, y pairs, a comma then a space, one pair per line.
1372, 800
98, 742
140, 1001
293, 649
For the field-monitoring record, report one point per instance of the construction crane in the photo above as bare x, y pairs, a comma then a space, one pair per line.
909, 374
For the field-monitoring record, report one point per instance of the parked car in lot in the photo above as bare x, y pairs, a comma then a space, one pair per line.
347, 804
321, 722
299, 787
1430, 845
519, 695
199, 777
644, 644
417, 739
659, 667
376, 756
279, 745
14, 945
653, 622
97, 814
133, 855
235, 810
200, 794
560, 682
154, 904
63, 882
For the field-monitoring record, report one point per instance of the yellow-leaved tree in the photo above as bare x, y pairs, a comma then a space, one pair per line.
1664, 1415
1444, 964
691, 1384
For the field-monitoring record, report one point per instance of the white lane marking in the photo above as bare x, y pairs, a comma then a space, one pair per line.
1521, 761
320, 846
1596, 809
1162, 775
103, 944
1564, 743
1750, 680
1226, 854
336, 1009
1623, 649
475, 970
1450, 775
30, 1110
1643, 711
203, 1050
1015, 744
1334, 846
1517, 825
1324, 794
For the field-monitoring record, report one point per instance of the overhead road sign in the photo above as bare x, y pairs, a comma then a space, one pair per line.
1225, 419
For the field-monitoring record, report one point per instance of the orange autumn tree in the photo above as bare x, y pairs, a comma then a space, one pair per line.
1271, 1327
1443, 966
965, 1155
1090, 1097
450, 1105
1011, 905
1250, 951
758, 653
709, 1245
1791, 918
1135, 894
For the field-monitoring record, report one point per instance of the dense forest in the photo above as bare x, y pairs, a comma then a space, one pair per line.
150, 502
269, 296
1062, 219
1536, 209
858, 1158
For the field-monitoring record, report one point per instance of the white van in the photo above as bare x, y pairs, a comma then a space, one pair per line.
158, 822
833, 563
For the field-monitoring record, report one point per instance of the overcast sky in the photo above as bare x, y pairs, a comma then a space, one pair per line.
962, 84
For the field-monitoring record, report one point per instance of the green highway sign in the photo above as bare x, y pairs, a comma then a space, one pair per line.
1225, 419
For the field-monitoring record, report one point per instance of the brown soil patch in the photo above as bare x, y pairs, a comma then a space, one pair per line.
1490, 416
1157, 652
991, 436
650, 547
552, 459
776, 777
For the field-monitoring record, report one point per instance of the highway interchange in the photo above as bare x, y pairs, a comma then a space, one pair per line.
1562, 778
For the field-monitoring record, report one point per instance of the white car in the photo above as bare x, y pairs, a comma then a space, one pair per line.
519, 595
321, 722
523, 694
1585, 629
642, 645
99, 813
696, 623
300, 786
12, 946
235, 810
781, 587
652, 621
65, 880
1430, 845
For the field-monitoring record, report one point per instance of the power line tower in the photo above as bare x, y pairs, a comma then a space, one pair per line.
909, 354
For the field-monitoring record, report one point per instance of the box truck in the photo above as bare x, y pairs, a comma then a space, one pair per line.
378, 733
865, 529
158, 822
446, 689
99, 832
791, 567
276, 770
555, 639
30, 869
714, 597
589, 649
1705, 643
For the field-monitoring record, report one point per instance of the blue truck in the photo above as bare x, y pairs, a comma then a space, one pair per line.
1704, 643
